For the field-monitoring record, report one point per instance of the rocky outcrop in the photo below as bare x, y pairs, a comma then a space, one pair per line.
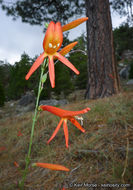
53, 102
127, 54
27, 99
124, 73
26, 103
130, 82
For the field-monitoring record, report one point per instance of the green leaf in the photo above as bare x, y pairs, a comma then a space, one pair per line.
46, 25
44, 77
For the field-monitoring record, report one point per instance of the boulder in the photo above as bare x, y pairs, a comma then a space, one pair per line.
130, 82
27, 99
53, 102
124, 73
23, 109
63, 102
127, 54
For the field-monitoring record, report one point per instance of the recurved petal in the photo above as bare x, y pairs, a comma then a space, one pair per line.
63, 113
51, 71
56, 131
74, 23
35, 65
65, 132
51, 166
66, 62
49, 35
74, 121
67, 48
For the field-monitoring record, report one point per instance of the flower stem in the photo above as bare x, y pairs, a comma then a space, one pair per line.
27, 160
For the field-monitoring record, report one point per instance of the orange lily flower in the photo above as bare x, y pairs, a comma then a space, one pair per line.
74, 23
51, 166
52, 42
64, 115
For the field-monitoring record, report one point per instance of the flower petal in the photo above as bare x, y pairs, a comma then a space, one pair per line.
67, 48
16, 164
51, 71
65, 132
66, 62
63, 113
35, 65
56, 130
74, 23
51, 166
53, 38
48, 36
74, 121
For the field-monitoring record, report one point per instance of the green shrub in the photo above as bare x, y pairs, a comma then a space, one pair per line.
2, 95
131, 70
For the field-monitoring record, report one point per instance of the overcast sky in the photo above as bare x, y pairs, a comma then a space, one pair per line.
17, 37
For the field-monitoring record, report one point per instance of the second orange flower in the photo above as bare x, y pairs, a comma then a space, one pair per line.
65, 116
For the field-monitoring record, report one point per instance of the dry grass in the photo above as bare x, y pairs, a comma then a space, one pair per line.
102, 155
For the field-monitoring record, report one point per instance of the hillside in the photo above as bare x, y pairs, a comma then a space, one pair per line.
101, 155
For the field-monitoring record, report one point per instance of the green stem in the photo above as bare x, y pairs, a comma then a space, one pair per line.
21, 185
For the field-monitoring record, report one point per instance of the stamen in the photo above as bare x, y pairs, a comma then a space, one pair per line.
54, 46
50, 45
80, 118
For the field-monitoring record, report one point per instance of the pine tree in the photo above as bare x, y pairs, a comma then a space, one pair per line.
101, 60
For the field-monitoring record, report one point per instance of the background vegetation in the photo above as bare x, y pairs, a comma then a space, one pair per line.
12, 77
103, 154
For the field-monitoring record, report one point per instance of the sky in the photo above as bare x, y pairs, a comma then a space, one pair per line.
17, 37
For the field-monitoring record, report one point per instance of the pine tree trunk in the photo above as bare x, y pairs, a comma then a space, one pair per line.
102, 71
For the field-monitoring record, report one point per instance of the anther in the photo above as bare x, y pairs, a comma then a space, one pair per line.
50, 45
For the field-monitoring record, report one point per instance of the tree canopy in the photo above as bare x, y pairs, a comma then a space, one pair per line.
124, 8
37, 12
123, 38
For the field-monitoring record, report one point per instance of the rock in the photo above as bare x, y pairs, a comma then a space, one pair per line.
63, 102
12, 104
130, 82
127, 54
121, 64
27, 99
26, 103
124, 73
53, 102
23, 109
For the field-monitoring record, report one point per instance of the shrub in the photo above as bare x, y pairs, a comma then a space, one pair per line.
2, 95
